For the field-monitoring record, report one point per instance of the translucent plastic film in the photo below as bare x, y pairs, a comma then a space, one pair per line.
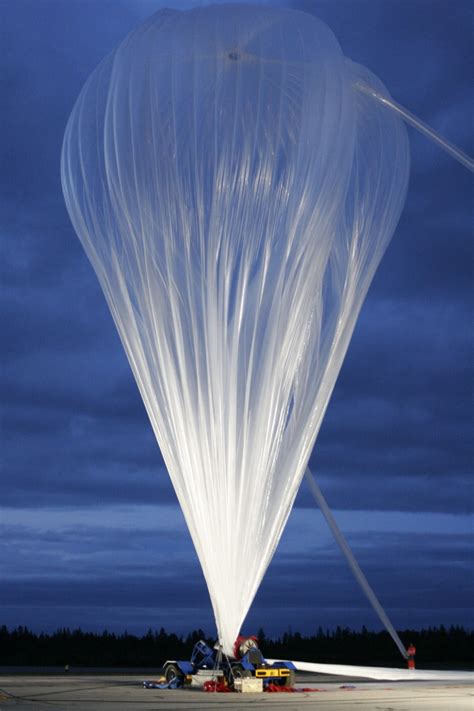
420, 125
234, 195
353, 564
385, 673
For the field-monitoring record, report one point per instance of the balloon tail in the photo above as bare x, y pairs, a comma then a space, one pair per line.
358, 574
420, 125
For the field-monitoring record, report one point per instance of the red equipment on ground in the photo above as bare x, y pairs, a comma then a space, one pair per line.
216, 686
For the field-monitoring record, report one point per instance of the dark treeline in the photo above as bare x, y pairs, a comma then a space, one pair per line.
437, 646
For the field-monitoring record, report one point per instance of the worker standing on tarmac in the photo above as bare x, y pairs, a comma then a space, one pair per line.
411, 651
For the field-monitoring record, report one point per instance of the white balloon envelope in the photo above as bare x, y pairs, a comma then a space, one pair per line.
234, 195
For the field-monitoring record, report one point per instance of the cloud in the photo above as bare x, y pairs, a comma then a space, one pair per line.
122, 577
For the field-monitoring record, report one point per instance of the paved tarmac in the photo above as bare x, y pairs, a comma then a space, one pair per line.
126, 693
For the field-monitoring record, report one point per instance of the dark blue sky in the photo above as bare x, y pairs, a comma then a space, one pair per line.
91, 534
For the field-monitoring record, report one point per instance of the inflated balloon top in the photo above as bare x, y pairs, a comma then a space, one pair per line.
234, 192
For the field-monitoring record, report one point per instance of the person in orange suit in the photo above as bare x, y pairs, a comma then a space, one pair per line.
411, 651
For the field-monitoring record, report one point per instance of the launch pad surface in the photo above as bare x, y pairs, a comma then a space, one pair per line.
103, 692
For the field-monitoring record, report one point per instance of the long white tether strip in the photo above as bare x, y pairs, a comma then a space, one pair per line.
355, 567
420, 125
384, 673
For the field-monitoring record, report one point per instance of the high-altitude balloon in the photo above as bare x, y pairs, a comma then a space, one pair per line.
234, 194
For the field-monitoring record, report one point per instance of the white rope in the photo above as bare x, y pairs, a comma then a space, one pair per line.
355, 567
420, 125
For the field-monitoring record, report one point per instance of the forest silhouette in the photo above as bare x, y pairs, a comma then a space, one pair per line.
437, 647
